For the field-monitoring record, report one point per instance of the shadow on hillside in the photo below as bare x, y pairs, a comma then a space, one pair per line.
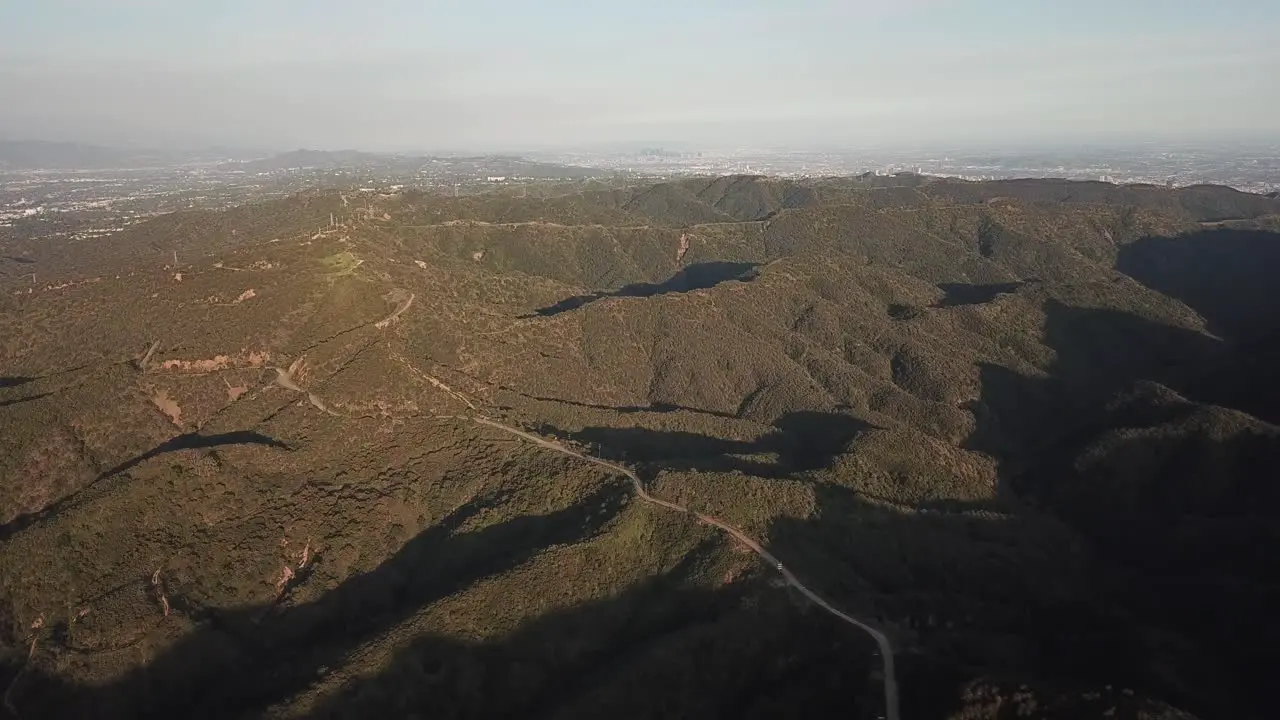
188, 441
658, 407
665, 647
698, 276
958, 294
1177, 501
800, 441
1226, 275
1098, 354
20, 380
240, 661
19, 401
965, 593
196, 441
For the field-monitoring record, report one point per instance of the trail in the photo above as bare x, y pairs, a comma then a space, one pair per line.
886, 650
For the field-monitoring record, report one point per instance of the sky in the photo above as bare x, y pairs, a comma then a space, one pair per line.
402, 75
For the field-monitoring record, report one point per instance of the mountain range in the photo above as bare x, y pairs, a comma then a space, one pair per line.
1027, 429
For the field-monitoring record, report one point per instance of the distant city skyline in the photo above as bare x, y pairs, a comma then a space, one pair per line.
496, 75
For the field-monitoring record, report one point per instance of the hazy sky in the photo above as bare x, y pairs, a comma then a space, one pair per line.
484, 74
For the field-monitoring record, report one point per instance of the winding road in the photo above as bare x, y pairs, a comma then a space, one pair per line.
886, 650
284, 378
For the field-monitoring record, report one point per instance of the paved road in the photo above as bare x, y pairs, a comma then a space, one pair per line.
886, 650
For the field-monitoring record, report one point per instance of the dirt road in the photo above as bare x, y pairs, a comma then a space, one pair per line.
886, 650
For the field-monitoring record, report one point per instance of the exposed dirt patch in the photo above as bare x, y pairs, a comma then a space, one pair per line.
167, 405
235, 391
244, 359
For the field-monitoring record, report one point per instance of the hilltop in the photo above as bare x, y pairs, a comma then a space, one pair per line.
1027, 428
